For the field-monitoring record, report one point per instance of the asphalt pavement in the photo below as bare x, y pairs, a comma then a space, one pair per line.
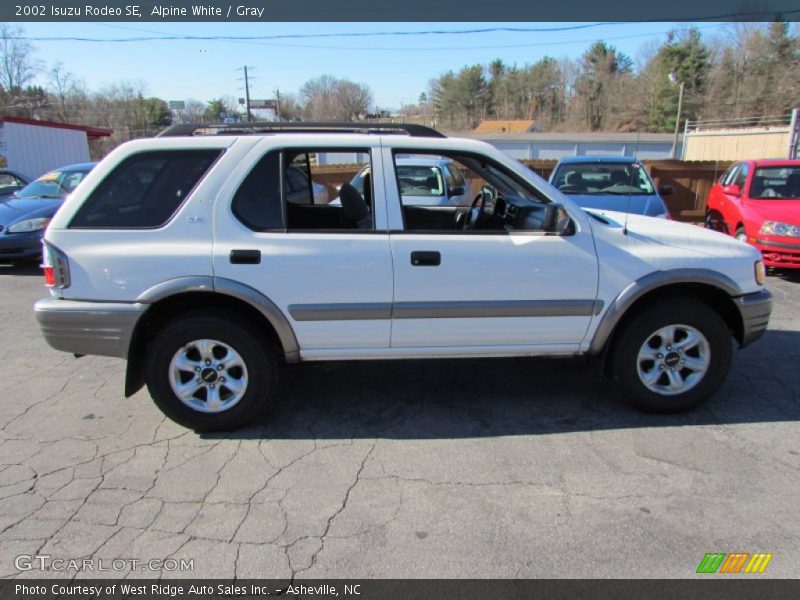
441, 468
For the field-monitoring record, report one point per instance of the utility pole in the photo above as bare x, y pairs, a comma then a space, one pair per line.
677, 123
247, 94
278, 104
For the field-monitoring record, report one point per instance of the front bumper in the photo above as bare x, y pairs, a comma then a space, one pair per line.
783, 255
20, 246
101, 328
755, 310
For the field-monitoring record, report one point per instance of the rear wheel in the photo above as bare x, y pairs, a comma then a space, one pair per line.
672, 356
210, 373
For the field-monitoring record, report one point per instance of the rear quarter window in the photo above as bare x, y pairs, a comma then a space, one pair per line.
145, 190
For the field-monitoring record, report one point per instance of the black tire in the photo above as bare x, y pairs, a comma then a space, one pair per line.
256, 352
675, 311
714, 222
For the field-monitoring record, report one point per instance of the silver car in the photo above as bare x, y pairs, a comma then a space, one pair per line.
426, 181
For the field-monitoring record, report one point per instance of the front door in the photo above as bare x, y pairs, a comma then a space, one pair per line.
502, 285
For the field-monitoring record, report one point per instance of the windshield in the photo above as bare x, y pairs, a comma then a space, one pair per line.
603, 178
55, 184
776, 182
420, 180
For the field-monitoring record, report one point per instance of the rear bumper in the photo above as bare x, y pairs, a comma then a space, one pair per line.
101, 328
755, 310
784, 255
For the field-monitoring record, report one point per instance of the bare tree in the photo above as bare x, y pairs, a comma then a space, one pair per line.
18, 66
67, 90
329, 98
193, 110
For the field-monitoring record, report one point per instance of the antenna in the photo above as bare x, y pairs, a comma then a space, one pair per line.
630, 184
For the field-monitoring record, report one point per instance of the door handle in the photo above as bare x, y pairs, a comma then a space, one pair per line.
245, 257
426, 259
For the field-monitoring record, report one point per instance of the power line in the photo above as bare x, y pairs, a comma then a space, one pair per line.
257, 41
351, 34
358, 34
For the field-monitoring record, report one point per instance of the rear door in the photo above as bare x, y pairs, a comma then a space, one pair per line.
331, 277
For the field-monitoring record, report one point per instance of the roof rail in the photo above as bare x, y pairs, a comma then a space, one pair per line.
264, 127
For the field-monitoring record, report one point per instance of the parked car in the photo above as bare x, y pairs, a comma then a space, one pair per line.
425, 181
25, 213
209, 276
11, 181
758, 202
618, 183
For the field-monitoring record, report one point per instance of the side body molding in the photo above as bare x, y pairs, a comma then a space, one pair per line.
627, 297
237, 290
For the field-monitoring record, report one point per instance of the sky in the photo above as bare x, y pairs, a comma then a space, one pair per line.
397, 68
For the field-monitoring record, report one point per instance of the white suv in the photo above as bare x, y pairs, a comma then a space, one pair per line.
186, 255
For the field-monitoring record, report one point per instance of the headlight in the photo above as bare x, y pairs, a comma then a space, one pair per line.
779, 228
760, 272
29, 225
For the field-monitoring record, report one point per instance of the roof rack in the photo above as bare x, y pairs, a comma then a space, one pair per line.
264, 127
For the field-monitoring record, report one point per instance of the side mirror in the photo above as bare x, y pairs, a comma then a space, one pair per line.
556, 219
457, 191
666, 190
733, 189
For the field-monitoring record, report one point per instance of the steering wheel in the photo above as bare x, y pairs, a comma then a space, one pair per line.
478, 207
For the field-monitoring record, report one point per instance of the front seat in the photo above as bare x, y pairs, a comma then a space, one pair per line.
354, 207
618, 177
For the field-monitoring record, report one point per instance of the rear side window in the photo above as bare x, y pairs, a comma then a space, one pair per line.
257, 202
144, 190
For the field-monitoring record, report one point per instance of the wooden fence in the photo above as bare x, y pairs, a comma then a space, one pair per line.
691, 181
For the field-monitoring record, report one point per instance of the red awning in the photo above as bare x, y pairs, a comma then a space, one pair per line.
91, 131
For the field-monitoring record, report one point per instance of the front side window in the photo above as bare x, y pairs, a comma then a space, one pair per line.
624, 179
9, 183
503, 203
144, 190
741, 175
727, 177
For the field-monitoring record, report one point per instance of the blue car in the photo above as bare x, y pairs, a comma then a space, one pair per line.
618, 183
25, 214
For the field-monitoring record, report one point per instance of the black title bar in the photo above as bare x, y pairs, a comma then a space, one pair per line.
392, 10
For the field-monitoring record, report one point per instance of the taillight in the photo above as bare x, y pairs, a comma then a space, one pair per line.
49, 276
56, 267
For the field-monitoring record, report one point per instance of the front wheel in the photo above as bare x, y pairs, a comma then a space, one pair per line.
210, 373
672, 356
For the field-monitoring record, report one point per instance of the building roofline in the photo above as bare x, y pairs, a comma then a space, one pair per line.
570, 136
89, 130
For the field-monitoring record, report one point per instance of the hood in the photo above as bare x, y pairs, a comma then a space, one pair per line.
692, 238
650, 204
787, 211
18, 209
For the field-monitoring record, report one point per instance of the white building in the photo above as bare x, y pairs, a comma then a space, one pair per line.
34, 147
